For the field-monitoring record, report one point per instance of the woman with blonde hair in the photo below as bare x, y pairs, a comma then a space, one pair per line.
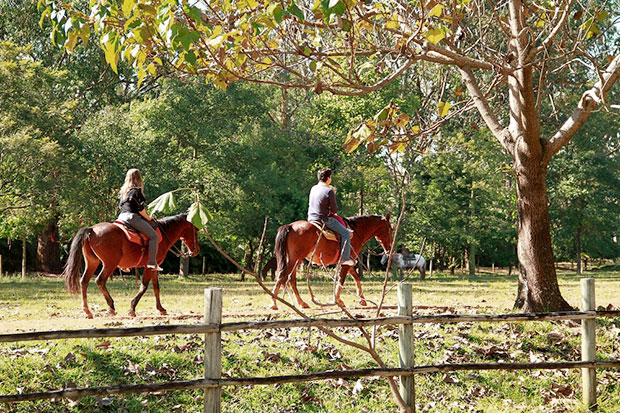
131, 204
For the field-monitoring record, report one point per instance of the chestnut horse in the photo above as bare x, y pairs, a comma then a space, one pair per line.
107, 243
298, 240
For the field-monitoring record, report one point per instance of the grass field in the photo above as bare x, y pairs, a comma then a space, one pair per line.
41, 303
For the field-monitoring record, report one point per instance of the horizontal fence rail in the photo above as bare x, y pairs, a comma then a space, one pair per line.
299, 378
212, 383
302, 323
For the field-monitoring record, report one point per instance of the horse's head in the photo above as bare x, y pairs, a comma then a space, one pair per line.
384, 233
189, 236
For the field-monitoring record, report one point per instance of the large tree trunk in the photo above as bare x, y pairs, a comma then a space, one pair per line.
538, 284
48, 248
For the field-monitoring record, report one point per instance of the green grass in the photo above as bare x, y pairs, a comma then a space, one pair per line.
39, 303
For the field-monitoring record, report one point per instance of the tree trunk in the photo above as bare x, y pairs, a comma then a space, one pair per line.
471, 255
579, 271
24, 257
538, 288
361, 203
183, 263
48, 248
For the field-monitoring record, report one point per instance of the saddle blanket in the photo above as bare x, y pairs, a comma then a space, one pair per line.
133, 235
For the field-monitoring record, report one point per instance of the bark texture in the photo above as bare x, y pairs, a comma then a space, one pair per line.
48, 248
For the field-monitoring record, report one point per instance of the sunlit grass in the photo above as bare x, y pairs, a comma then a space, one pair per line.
40, 303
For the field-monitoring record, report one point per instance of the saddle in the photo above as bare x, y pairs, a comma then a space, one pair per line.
135, 236
328, 234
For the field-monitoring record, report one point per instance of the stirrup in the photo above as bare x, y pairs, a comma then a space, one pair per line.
154, 267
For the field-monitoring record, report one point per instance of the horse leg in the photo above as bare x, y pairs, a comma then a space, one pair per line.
276, 288
161, 309
338, 290
422, 273
293, 283
101, 279
146, 278
282, 279
91, 265
358, 285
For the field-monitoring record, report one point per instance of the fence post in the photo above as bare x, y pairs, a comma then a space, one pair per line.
213, 349
588, 342
405, 344
0, 265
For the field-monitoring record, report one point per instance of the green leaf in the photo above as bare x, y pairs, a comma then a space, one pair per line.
295, 11
191, 58
443, 108
197, 215
111, 56
45, 13
164, 204
71, 42
601, 15
436, 11
382, 114
194, 13
128, 6
278, 13
339, 8
435, 35
141, 75
392, 23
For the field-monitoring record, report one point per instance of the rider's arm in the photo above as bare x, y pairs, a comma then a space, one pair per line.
333, 206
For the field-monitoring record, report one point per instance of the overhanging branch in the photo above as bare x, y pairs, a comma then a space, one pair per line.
588, 102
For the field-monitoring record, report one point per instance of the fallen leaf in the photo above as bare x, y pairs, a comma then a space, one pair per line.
357, 389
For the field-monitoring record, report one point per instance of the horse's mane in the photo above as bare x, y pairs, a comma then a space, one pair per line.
166, 222
352, 221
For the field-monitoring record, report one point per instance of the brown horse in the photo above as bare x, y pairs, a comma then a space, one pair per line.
298, 240
107, 243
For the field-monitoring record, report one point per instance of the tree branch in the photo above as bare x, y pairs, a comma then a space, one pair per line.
589, 101
534, 52
501, 133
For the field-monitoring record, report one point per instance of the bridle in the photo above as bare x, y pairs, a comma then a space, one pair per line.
174, 249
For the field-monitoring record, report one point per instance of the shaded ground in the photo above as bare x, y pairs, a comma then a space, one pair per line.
42, 303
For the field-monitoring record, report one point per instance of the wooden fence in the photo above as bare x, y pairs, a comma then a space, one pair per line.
213, 327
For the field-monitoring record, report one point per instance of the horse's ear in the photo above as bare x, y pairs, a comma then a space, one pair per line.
387, 216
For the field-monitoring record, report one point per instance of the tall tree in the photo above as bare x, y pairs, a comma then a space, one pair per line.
510, 56
35, 113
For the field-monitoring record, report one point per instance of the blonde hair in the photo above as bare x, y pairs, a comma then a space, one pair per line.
133, 179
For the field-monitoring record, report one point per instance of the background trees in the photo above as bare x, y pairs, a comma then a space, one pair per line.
253, 150
510, 59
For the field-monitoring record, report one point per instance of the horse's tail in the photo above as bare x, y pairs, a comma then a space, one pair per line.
280, 249
73, 267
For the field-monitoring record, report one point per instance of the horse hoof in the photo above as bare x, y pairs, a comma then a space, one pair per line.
163, 312
363, 303
111, 313
88, 315
273, 307
132, 314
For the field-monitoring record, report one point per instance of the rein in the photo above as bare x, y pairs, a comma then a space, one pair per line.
173, 248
